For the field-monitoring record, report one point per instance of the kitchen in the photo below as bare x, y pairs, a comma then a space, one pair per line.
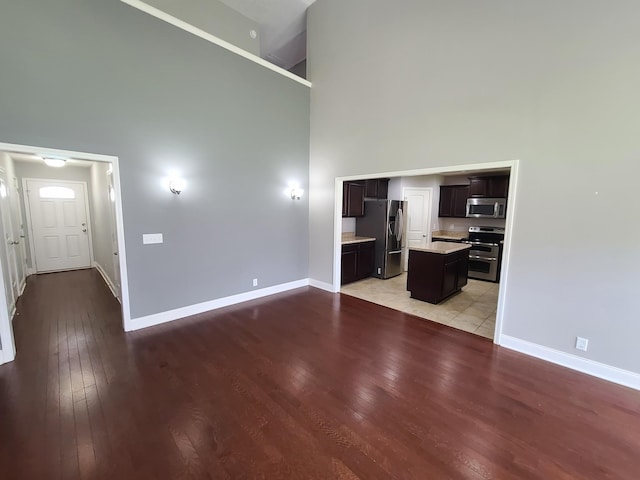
436, 253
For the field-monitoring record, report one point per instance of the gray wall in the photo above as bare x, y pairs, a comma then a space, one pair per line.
300, 69
99, 76
40, 170
406, 85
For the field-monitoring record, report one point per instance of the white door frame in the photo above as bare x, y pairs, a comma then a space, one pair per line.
8, 231
506, 252
27, 207
405, 249
8, 351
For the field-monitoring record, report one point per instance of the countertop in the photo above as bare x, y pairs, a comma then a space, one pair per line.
442, 248
450, 235
349, 238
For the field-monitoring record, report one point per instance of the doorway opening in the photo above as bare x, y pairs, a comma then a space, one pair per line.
478, 303
56, 219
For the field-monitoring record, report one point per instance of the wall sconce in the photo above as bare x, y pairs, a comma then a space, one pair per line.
296, 193
176, 185
55, 162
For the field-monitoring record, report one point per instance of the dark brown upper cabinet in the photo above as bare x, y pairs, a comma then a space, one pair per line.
495, 186
352, 199
453, 200
376, 188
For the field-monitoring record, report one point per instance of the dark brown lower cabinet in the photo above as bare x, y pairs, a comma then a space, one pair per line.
432, 277
357, 261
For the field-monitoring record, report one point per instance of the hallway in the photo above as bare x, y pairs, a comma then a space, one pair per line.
303, 384
71, 352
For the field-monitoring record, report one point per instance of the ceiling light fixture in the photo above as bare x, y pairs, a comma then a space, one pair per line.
55, 162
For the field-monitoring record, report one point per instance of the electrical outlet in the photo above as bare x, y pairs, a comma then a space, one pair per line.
582, 343
255, 282
379, 270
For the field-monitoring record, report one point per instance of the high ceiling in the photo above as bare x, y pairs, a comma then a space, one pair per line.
283, 27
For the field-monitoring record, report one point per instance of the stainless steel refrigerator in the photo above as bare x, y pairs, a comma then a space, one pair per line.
383, 219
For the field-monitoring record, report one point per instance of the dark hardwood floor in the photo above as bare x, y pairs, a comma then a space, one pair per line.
301, 385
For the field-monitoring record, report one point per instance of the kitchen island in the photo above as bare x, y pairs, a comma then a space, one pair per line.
437, 270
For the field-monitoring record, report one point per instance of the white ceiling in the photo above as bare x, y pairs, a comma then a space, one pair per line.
283, 28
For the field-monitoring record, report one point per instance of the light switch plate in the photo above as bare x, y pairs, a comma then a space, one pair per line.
149, 238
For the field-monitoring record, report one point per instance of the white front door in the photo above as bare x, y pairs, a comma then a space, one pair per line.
59, 225
418, 218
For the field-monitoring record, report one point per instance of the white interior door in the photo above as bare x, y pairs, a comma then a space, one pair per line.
12, 282
114, 233
59, 225
18, 232
418, 218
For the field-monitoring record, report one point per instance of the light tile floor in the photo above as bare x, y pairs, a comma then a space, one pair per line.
472, 310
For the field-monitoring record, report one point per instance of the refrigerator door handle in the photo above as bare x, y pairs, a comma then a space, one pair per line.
394, 251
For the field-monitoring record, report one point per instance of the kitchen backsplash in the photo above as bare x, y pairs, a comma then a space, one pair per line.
349, 225
463, 224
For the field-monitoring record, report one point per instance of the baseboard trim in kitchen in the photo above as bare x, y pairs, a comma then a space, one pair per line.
178, 313
584, 365
321, 285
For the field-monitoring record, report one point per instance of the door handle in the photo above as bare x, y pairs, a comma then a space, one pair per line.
115, 253
84, 230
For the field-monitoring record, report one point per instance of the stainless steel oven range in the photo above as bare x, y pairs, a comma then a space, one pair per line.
485, 252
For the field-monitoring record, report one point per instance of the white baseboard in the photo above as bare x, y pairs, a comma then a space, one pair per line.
7, 355
23, 285
175, 314
321, 285
106, 279
584, 365
4, 360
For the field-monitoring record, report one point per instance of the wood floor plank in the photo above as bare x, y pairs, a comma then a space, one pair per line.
304, 384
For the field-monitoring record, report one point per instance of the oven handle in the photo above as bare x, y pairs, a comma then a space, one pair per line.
478, 257
484, 244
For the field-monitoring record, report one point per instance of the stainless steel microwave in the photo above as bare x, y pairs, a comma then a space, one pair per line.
486, 207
